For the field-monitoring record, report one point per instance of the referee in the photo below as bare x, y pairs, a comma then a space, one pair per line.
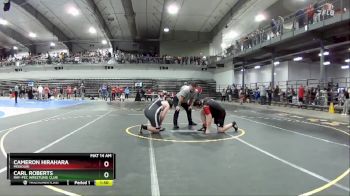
184, 99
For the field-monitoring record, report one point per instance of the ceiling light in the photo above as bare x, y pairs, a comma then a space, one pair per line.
326, 53
15, 47
299, 58
173, 9
3, 22
73, 11
260, 17
276, 63
345, 67
347, 60
31, 34
166, 29
104, 42
274, 73
52, 44
242, 70
92, 30
232, 34
326, 63
257, 67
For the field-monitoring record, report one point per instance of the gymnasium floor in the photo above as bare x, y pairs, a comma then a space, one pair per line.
272, 154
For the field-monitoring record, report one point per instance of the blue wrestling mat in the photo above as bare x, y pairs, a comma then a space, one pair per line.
49, 104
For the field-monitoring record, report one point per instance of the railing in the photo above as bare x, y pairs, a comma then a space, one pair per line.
301, 19
200, 61
288, 91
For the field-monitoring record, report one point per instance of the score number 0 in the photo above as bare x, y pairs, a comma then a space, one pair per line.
106, 164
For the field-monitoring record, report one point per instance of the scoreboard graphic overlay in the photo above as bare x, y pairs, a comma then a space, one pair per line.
77, 169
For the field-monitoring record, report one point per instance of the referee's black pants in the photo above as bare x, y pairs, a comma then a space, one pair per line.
187, 109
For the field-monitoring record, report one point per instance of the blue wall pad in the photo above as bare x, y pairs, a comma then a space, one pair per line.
40, 104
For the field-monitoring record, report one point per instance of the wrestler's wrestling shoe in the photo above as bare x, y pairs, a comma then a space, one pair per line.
160, 130
142, 127
192, 124
202, 129
235, 126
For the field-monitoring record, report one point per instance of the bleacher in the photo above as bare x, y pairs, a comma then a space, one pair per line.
92, 85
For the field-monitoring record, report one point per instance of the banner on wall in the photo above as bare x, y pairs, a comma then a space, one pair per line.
31, 83
138, 84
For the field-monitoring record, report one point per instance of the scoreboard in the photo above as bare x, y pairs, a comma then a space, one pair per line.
79, 169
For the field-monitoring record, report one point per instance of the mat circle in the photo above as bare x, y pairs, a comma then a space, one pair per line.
231, 137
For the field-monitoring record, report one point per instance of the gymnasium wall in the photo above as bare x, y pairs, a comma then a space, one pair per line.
185, 43
289, 71
175, 48
128, 71
262, 75
224, 76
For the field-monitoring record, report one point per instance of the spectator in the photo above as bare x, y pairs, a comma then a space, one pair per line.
300, 16
262, 95
69, 92
301, 92
82, 91
312, 95
127, 92
75, 90
40, 92
142, 93
289, 95
149, 94
346, 108
109, 92
16, 93
121, 91
317, 12
114, 92
22, 91
269, 95
104, 92
99, 92
229, 93
61, 94
10, 92
257, 95
310, 14
30, 93
274, 27
276, 93
241, 96
47, 92
122, 96
318, 97
327, 11
223, 94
